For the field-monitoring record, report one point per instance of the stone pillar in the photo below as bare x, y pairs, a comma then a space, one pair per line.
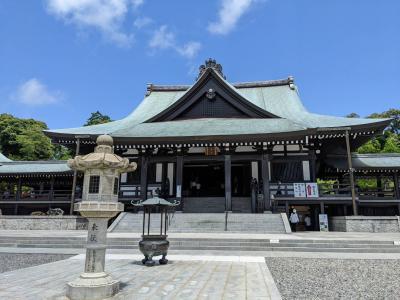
228, 185
99, 203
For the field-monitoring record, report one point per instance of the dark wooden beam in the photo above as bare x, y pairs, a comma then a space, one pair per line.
396, 185
228, 187
265, 180
179, 179
351, 173
143, 177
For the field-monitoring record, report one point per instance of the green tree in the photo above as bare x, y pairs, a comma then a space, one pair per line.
372, 146
23, 139
392, 144
353, 115
97, 118
392, 114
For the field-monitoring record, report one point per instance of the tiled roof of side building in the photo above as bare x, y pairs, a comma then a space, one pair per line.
28, 167
367, 161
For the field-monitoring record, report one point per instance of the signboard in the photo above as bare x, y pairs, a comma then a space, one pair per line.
178, 191
211, 151
312, 190
299, 190
323, 222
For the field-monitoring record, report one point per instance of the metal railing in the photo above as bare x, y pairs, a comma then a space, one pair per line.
43, 195
334, 190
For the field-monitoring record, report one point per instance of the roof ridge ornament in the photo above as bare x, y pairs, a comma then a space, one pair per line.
210, 64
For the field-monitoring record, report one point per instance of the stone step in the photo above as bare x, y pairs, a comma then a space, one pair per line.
205, 222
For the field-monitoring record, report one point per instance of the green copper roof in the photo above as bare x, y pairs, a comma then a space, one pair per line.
23, 167
367, 161
280, 99
4, 158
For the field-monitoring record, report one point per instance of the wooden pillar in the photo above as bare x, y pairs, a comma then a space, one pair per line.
287, 207
351, 174
396, 185
313, 167
51, 193
179, 176
265, 180
18, 196
143, 177
71, 208
322, 207
228, 185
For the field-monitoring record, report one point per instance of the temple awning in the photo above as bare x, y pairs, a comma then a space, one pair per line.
32, 168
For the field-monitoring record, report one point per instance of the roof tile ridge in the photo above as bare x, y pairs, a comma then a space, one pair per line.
248, 84
265, 83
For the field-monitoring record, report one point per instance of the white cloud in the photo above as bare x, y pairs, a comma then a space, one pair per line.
137, 3
229, 14
104, 15
142, 22
165, 39
162, 38
33, 93
190, 49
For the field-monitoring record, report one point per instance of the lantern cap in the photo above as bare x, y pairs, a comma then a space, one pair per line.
155, 201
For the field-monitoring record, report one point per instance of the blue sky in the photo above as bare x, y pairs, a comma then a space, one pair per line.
62, 59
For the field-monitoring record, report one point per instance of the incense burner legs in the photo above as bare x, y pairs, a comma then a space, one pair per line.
154, 245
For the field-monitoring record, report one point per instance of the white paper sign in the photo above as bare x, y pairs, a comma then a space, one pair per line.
323, 222
299, 190
312, 190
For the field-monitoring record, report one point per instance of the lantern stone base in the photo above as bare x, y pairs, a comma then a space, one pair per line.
92, 286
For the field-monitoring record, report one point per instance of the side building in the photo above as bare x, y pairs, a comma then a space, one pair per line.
217, 146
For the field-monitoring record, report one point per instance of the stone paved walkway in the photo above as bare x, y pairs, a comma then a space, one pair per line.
211, 278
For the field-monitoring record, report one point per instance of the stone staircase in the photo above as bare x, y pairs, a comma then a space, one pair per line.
204, 223
225, 245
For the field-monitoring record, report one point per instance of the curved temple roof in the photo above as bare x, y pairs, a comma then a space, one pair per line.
279, 98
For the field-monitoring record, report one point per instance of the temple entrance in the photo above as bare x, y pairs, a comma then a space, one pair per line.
203, 180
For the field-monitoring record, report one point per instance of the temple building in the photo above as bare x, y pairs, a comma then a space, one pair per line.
218, 146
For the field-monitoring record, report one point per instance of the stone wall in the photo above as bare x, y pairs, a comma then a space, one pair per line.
364, 224
42, 223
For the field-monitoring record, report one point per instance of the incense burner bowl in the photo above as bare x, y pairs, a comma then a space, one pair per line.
154, 245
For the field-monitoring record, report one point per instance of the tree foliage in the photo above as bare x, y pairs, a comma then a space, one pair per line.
389, 142
97, 118
353, 115
23, 139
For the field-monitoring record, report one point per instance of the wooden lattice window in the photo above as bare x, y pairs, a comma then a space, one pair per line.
94, 184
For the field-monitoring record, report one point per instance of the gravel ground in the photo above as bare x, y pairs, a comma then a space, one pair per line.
12, 261
309, 278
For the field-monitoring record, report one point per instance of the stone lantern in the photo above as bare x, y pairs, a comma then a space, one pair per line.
99, 203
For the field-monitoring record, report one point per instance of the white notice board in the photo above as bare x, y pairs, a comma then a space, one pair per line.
299, 190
